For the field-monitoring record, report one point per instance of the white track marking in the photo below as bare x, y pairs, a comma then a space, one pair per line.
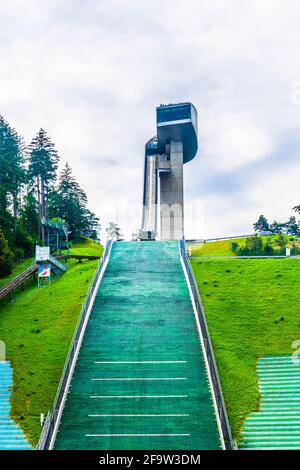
134, 435
139, 396
140, 362
70, 376
140, 378
138, 415
208, 372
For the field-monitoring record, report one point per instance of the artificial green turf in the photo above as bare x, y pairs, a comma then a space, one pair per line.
141, 344
252, 309
37, 327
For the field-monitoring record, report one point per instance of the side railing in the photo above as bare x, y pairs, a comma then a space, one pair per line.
14, 283
228, 440
57, 263
52, 420
45, 431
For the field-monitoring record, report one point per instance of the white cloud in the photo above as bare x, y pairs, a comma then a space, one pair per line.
234, 140
92, 72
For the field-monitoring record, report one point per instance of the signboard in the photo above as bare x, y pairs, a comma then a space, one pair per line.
42, 253
44, 270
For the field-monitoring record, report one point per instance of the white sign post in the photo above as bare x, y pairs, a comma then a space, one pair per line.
42, 253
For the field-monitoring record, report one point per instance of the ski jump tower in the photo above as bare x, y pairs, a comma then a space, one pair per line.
176, 143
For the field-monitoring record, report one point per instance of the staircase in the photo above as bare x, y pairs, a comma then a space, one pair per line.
140, 380
11, 436
277, 423
57, 267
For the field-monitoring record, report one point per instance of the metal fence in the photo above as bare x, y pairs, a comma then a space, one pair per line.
51, 420
229, 442
233, 237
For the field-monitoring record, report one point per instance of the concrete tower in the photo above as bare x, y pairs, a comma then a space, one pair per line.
176, 143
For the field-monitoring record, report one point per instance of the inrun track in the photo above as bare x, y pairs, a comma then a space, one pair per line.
140, 380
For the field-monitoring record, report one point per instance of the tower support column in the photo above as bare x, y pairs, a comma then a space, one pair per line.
150, 195
171, 196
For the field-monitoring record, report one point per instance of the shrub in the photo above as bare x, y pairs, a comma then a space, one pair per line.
252, 247
234, 247
281, 240
268, 249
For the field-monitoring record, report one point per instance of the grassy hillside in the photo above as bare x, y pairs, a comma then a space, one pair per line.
18, 269
37, 328
224, 247
252, 307
218, 248
86, 246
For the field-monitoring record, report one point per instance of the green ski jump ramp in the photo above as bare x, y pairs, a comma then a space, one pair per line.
140, 380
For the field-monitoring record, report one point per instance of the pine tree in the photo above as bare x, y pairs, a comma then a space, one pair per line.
68, 202
292, 227
29, 215
297, 209
261, 225
92, 225
12, 176
43, 164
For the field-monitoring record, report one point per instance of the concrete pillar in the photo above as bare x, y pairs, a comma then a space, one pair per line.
171, 196
150, 202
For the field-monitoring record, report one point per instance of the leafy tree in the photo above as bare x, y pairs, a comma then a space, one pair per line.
276, 227
262, 224
253, 247
43, 164
281, 240
292, 227
6, 256
114, 232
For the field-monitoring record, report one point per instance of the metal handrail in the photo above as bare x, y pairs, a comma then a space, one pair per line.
50, 423
229, 442
19, 279
57, 263
44, 433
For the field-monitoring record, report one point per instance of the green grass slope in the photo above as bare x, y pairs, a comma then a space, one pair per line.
86, 246
18, 269
217, 248
37, 327
224, 247
252, 308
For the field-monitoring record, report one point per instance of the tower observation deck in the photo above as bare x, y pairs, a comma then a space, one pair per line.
175, 143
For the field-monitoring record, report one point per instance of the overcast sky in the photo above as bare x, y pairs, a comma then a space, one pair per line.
92, 72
